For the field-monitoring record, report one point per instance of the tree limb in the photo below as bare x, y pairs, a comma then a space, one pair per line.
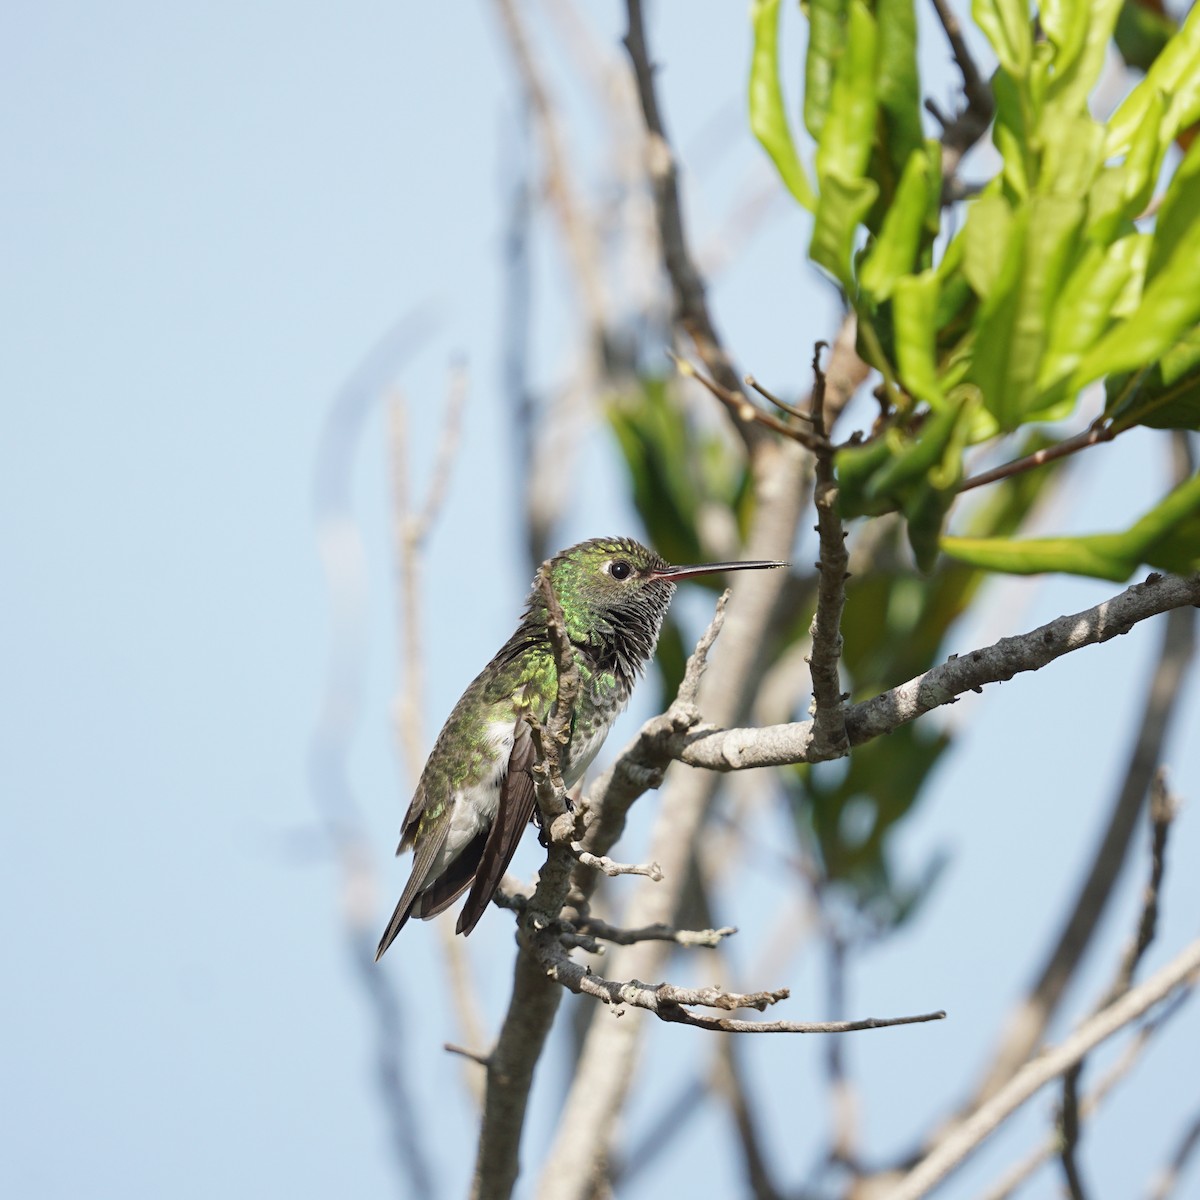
828, 709
964, 1139
778, 745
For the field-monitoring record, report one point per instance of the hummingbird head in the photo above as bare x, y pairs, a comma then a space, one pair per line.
614, 593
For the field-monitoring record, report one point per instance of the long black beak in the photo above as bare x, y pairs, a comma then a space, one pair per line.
714, 569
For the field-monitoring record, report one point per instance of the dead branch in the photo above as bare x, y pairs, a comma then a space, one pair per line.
963, 1139
1027, 1025
609, 867
707, 938
1167, 1179
674, 1004
962, 131
691, 306
1162, 811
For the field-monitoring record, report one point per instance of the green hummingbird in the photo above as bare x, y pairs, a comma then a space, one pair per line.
476, 792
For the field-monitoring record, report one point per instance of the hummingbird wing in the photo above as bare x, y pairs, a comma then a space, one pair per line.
512, 815
426, 853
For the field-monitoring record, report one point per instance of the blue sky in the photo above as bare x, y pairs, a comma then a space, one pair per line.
209, 214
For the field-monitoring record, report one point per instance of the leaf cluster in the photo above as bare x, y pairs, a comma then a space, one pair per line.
1055, 276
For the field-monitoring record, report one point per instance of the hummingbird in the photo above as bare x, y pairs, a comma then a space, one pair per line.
476, 792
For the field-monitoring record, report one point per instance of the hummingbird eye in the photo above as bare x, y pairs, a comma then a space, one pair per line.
620, 569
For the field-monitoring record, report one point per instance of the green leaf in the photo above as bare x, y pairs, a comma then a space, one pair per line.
826, 39
985, 243
1080, 33
1179, 216
1175, 72
914, 313
1012, 323
1141, 34
844, 150
842, 205
1072, 151
899, 87
915, 459
1168, 536
1008, 28
1122, 191
894, 252
856, 465
1037, 556
844, 147
768, 115
1170, 301
1083, 310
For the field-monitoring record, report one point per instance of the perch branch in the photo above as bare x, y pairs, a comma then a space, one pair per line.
828, 708
777, 745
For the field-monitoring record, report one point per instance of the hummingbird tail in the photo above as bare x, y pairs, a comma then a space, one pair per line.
399, 917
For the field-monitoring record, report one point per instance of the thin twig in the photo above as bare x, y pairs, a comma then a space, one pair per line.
1162, 810
1093, 436
799, 413
560, 188
829, 713
691, 307
343, 559
1165, 1184
611, 868
1017, 1174
962, 131
737, 403
707, 938
729, 1079
964, 1139
472, 1055
1068, 1133
674, 1004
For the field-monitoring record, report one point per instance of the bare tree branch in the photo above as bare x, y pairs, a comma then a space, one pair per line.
410, 530
1167, 1180
343, 559
1094, 435
707, 938
671, 1003
828, 709
1026, 1026
560, 188
964, 1139
778, 745
1020, 1171
962, 131
609, 867
535, 997
1162, 812
691, 307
